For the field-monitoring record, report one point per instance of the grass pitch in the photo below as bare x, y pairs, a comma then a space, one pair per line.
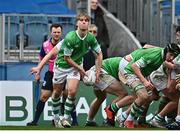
43, 127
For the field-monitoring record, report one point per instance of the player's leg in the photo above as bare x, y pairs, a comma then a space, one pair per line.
57, 90
123, 116
137, 87
178, 112
46, 92
141, 121
73, 113
175, 125
72, 85
123, 99
59, 81
117, 89
95, 104
159, 119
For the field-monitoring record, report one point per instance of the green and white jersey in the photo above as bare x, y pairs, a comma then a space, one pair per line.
76, 47
111, 66
177, 62
147, 59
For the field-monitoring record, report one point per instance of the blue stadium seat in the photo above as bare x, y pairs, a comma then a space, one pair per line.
14, 31
66, 28
36, 28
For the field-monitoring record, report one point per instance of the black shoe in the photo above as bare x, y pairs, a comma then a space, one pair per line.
74, 124
91, 123
53, 124
32, 124
108, 123
173, 126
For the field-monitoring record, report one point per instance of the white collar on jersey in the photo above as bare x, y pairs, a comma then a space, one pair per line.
162, 54
80, 36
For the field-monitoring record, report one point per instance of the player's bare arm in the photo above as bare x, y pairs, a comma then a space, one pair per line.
36, 70
75, 65
137, 71
149, 46
98, 64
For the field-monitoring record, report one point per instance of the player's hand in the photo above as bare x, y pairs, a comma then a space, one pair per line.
82, 72
175, 66
97, 75
35, 70
148, 85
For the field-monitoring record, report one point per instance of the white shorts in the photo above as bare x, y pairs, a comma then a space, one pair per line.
122, 64
159, 78
61, 74
131, 78
104, 80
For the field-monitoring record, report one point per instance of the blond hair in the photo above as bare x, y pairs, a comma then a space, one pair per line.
82, 14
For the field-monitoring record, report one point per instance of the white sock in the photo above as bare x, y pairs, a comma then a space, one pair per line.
130, 118
56, 117
124, 116
178, 118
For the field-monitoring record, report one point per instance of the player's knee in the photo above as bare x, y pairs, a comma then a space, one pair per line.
56, 94
144, 96
71, 93
121, 93
44, 98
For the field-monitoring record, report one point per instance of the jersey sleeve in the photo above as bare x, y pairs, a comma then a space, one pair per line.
58, 46
95, 46
175, 72
141, 62
68, 48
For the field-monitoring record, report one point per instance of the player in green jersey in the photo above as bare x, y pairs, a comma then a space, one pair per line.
108, 83
166, 83
68, 65
142, 63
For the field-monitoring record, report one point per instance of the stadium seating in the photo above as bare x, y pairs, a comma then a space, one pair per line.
12, 31
36, 28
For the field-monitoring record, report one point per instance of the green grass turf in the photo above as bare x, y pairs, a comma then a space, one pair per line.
72, 128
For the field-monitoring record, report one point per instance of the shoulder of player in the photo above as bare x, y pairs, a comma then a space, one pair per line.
46, 43
90, 36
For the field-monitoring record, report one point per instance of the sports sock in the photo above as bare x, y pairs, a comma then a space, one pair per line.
159, 118
124, 116
68, 106
114, 107
178, 118
73, 115
134, 111
56, 106
39, 110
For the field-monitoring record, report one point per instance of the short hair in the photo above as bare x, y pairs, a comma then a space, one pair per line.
81, 14
177, 28
92, 26
55, 26
173, 48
